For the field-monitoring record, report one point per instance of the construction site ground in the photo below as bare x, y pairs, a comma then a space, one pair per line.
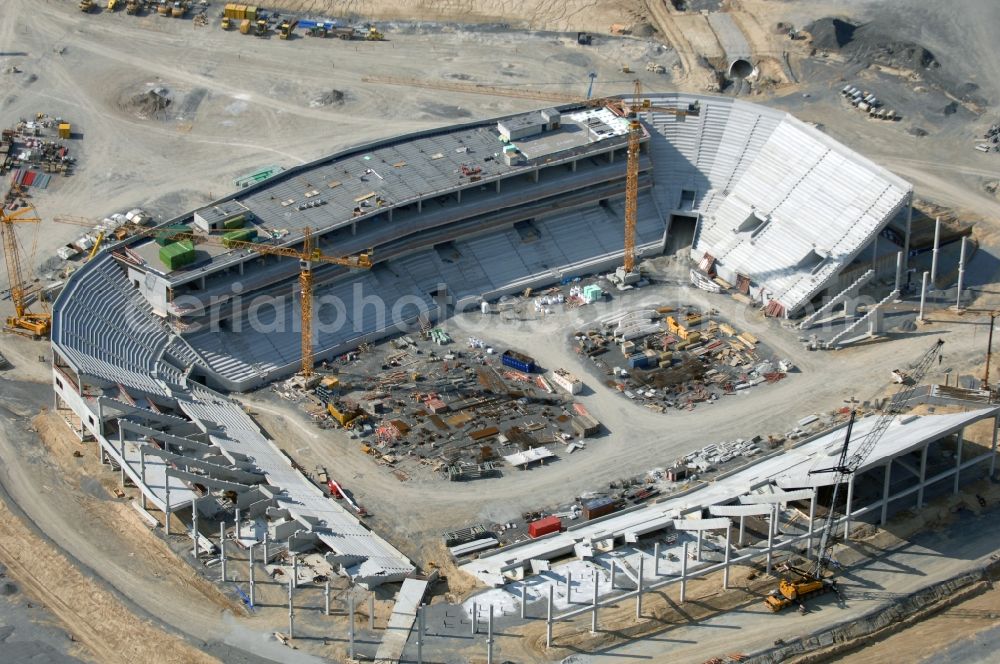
237, 103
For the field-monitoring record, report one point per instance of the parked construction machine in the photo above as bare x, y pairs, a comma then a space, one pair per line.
809, 583
87, 6
132, 7
286, 28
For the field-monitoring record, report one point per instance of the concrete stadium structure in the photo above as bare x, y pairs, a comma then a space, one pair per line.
455, 216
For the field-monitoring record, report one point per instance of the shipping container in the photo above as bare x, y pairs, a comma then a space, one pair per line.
518, 361
567, 381
236, 222
65, 130
245, 235
638, 361
598, 507
177, 254
550, 524
245, 26
168, 234
251, 12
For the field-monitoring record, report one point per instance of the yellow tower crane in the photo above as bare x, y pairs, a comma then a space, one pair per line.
23, 321
308, 255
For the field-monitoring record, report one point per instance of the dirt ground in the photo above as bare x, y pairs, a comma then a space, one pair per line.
306, 98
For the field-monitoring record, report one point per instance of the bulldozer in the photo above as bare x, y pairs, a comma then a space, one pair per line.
87, 5
286, 28
112, 5
797, 589
373, 34
132, 7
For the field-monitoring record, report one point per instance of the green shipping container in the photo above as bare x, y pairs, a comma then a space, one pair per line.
251, 12
177, 254
169, 234
235, 222
245, 235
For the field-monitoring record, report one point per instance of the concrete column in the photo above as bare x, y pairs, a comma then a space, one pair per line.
934, 254
906, 234
350, 623
656, 559
295, 571
458, 193
498, 186
993, 457
142, 476
291, 613
524, 599
194, 526
611, 157
743, 520
684, 571
534, 174
697, 550
326, 597
593, 617
222, 549
875, 252
201, 282
885, 490
265, 545
958, 459
899, 270
420, 205
961, 273
770, 537
614, 569
241, 266
548, 620
421, 610
390, 214
812, 524
371, 612
572, 166
725, 570
849, 507
354, 228
166, 503
569, 587
253, 579
923, 295
923, 476
489, 638
638, 597
239, 530
475, 618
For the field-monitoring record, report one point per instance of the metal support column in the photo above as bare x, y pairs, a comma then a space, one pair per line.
656, 559
326, 597
899, 271
166, 503
934, 254
569, 587
614, 570
885, 491
265, 545
684, 571
958, 458
906, 233
697, 550
743, 520
524, 599
371, 612
638, 596
295, 570
239, 531
475, 618
142, 476
194, 526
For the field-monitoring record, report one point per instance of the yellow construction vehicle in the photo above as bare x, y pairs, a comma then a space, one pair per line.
262, 28
226, 24
797, 589
23, 321
87, 5
132, 7
286, 28
179, 9
163, 9
112, 5
373, 34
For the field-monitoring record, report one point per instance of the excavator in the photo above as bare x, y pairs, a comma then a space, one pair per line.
803, 584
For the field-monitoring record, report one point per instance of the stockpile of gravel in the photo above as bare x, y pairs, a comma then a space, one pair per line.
869, 43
